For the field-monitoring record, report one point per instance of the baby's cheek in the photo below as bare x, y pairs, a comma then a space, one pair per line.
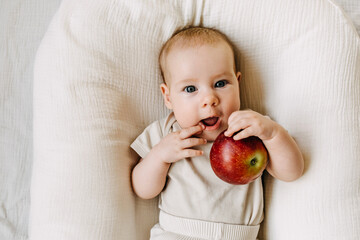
186, 122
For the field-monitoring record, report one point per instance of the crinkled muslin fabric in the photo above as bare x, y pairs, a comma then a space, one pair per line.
96, 87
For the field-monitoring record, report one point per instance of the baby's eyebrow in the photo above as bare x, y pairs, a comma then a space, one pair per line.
186, 81
224, 74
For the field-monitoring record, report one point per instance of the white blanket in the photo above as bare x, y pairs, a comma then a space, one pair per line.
96, 88
22, 26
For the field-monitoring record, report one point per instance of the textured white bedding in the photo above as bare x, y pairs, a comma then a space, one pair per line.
22, 26
290, 212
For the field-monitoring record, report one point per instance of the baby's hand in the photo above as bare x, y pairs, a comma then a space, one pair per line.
178, 145
251, 124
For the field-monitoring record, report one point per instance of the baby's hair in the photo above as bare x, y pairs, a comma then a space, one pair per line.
192, 37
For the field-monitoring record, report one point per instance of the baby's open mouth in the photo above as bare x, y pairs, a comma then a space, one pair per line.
211, 121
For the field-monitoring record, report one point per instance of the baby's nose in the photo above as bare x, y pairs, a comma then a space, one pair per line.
210, 100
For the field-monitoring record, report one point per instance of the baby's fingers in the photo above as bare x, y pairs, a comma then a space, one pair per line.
236, 127
188, 132
191, 142
188, 153
247, 132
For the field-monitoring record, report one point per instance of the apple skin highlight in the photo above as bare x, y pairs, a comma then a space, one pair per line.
238, 162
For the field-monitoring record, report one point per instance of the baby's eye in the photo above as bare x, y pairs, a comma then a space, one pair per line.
221, 83
190, 89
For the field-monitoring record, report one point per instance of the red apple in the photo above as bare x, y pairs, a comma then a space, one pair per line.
238, 162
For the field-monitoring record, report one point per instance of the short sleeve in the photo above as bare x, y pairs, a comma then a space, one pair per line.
147, 139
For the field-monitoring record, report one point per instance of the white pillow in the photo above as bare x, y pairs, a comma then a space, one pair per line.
352, 9
97, 86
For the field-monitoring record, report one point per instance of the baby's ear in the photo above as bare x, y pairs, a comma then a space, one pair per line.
238, 76
166, 95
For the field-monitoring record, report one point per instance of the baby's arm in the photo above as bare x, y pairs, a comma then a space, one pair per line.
149, 175
285, 159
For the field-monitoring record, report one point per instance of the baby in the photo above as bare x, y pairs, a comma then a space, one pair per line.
201, 88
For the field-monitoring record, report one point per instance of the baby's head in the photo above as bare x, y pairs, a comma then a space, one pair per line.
191, 37
201, 84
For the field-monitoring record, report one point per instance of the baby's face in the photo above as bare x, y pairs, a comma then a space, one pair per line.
202, 86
